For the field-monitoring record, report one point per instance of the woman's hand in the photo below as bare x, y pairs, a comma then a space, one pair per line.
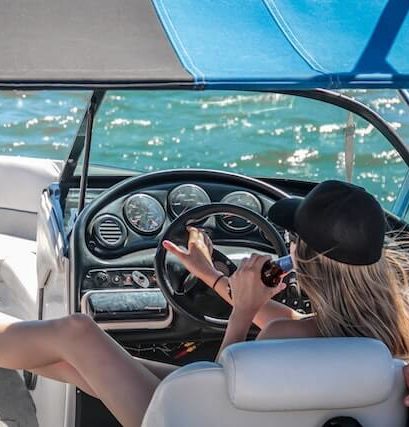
198, 256
248, 291
249, 294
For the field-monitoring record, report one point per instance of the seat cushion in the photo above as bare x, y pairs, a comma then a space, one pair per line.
22, 181
252, 369
18, 277
12, 246
30, 176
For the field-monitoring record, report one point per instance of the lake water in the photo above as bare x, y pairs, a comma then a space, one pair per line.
251, 133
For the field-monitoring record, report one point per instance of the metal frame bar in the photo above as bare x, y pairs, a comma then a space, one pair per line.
404, 94
401, 205
79, 141
93, 105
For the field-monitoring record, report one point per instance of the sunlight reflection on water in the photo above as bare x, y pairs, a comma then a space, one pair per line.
252, 133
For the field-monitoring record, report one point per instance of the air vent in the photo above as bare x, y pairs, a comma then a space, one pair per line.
110, 231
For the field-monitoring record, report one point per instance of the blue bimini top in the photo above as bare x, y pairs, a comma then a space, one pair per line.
240, 44
290, 44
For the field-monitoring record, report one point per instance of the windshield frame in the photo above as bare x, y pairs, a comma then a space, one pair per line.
82, 141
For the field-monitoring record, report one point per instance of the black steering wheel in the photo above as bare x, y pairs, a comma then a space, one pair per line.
84, 258
173, 287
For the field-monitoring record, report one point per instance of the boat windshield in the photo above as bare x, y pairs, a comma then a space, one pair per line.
40, 123
256, 134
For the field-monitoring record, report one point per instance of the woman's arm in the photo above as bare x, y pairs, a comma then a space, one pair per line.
237, 329
249, 294
197, 259
269, 311
288, 328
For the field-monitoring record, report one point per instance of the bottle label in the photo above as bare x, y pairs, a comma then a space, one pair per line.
285, 263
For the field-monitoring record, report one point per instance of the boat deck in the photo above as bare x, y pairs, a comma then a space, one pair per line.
16, 406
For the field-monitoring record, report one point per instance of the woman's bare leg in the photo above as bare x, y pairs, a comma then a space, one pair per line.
64, 372
159, 369
124, 386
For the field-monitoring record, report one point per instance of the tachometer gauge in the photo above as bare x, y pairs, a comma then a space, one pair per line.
185, 197
145, 214
243, 199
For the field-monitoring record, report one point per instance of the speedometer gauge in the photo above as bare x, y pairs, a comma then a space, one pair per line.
245, 200
185, 197
144, 213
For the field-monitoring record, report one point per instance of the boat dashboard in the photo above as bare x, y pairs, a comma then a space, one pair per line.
113, 252
136, 221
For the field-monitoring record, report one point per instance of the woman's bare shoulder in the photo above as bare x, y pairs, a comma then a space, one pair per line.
290, 328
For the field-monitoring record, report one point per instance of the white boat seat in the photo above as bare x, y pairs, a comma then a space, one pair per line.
13, 246
18, 286
285, 383
22, 180
18, 277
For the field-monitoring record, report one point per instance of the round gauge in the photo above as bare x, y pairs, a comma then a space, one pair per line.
185, 197
144, 213
245, 200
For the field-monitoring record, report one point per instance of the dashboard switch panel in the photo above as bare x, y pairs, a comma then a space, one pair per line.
120, 278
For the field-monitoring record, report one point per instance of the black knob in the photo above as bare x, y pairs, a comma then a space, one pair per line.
101, 278
292, 291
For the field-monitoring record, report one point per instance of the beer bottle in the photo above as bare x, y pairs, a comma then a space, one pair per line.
272, 271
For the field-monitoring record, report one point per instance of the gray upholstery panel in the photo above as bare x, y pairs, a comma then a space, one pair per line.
252, 370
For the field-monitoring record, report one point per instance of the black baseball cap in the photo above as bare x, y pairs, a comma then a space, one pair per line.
340, 220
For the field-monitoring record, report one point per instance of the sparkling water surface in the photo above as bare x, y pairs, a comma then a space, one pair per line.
258, 134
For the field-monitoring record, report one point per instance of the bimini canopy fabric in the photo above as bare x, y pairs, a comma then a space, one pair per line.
266, 44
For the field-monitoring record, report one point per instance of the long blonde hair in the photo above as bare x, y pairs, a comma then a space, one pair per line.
353, 300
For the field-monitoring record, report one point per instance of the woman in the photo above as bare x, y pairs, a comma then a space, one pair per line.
356, 289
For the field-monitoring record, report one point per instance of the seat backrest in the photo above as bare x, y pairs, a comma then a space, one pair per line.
22, 180
286, 383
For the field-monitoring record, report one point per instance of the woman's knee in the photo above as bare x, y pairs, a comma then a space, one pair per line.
78, 325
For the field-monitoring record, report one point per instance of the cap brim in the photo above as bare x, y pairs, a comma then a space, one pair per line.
282, 213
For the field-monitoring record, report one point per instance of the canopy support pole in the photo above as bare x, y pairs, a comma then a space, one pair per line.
79, 141
89, 116
404, 94
349, 147
401, 205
